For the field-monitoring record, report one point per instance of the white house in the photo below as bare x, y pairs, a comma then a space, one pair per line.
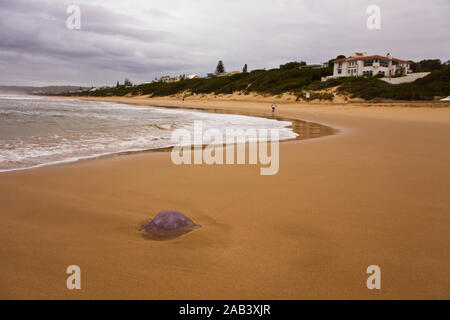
360, 64
165, 79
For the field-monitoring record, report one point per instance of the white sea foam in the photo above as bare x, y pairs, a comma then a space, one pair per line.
37, 131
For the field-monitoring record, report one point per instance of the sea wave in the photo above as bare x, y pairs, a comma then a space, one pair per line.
36, 131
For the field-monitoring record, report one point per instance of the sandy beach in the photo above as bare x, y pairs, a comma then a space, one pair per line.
377, 193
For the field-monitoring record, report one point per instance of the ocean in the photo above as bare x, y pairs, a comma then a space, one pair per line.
37, 131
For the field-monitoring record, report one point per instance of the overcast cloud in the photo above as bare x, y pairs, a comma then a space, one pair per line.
144, 39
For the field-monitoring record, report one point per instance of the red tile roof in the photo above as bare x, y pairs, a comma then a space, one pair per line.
370, 57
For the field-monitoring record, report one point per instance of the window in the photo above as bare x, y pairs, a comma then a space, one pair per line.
368, 63
339, 71
384, 63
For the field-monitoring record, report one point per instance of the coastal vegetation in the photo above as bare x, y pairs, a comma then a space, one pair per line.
295, 78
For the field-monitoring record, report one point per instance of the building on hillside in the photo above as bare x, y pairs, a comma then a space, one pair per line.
193, 76
316, 66
175, 79
363, 65
169, 79
223, 74
227, 74
164, 79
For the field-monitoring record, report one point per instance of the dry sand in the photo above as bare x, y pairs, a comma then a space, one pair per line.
377, 194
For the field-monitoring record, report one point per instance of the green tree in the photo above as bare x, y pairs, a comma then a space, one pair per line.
290, 65
118, 84
127, 83
244, 70
427, 65
220, 67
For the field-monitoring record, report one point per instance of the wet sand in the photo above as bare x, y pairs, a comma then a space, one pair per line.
376, 194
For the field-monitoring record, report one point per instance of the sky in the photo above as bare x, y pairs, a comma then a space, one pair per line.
141, 40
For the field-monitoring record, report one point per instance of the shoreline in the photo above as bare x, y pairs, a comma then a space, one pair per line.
375, 194
297, 126
404, 110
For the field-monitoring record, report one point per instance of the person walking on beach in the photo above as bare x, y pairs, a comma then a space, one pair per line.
273, 107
